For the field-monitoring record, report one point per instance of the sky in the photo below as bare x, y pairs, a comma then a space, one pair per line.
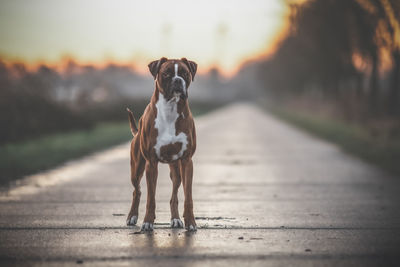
210, 32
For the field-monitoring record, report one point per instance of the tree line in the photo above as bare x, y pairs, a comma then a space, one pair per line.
341, 49
46, 100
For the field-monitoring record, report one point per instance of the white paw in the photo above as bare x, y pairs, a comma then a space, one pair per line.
146, 226
132, 220
191, 228
176, 223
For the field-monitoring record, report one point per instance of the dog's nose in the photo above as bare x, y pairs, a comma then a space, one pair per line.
177, 82
178, 86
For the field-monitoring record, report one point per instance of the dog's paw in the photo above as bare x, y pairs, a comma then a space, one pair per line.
146, 226
190, 223
191, 228
132, 220
176, 223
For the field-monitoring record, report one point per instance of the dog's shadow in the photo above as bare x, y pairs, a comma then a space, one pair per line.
172, 242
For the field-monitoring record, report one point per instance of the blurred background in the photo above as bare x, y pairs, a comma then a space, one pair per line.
68, 70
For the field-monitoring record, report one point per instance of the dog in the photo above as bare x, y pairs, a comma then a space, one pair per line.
166, 133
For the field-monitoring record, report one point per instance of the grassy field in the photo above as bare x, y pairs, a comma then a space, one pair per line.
28, 157
354, 139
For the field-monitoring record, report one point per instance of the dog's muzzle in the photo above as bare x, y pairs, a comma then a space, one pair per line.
178, 88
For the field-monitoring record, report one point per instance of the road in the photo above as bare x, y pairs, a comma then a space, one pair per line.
265, 193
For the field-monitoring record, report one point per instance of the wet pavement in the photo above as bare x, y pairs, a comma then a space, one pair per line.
264, 194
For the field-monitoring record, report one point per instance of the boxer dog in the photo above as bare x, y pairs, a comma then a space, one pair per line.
166, 134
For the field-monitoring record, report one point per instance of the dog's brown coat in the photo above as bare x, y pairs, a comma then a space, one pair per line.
143, 153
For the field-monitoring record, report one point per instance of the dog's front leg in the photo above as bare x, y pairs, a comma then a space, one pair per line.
151, 180
175, 175
187, 178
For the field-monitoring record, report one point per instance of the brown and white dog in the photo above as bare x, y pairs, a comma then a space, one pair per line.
166, 134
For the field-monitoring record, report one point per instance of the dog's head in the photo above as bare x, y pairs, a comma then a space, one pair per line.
173, 76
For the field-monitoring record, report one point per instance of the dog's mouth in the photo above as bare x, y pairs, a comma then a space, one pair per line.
177, 95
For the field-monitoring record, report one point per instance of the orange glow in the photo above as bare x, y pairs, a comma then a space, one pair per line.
133, 33
393, 22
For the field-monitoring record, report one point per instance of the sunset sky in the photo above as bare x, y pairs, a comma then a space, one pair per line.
212, 32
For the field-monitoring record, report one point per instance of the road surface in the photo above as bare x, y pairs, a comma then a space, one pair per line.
264, 193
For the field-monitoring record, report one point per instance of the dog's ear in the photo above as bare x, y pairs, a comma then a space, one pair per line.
155, 66
191, 65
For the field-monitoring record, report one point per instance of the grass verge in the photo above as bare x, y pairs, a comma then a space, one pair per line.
354, 139
31, 156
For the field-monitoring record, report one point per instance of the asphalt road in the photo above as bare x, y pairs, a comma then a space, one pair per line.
264, 194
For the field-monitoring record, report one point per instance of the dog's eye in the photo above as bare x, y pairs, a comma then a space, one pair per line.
166, 75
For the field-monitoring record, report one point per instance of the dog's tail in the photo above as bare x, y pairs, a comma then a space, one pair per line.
132, 122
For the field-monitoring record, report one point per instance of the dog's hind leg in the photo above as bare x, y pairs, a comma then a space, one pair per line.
176, 182
137, 169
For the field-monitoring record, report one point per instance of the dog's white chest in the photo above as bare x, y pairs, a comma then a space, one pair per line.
165, 121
